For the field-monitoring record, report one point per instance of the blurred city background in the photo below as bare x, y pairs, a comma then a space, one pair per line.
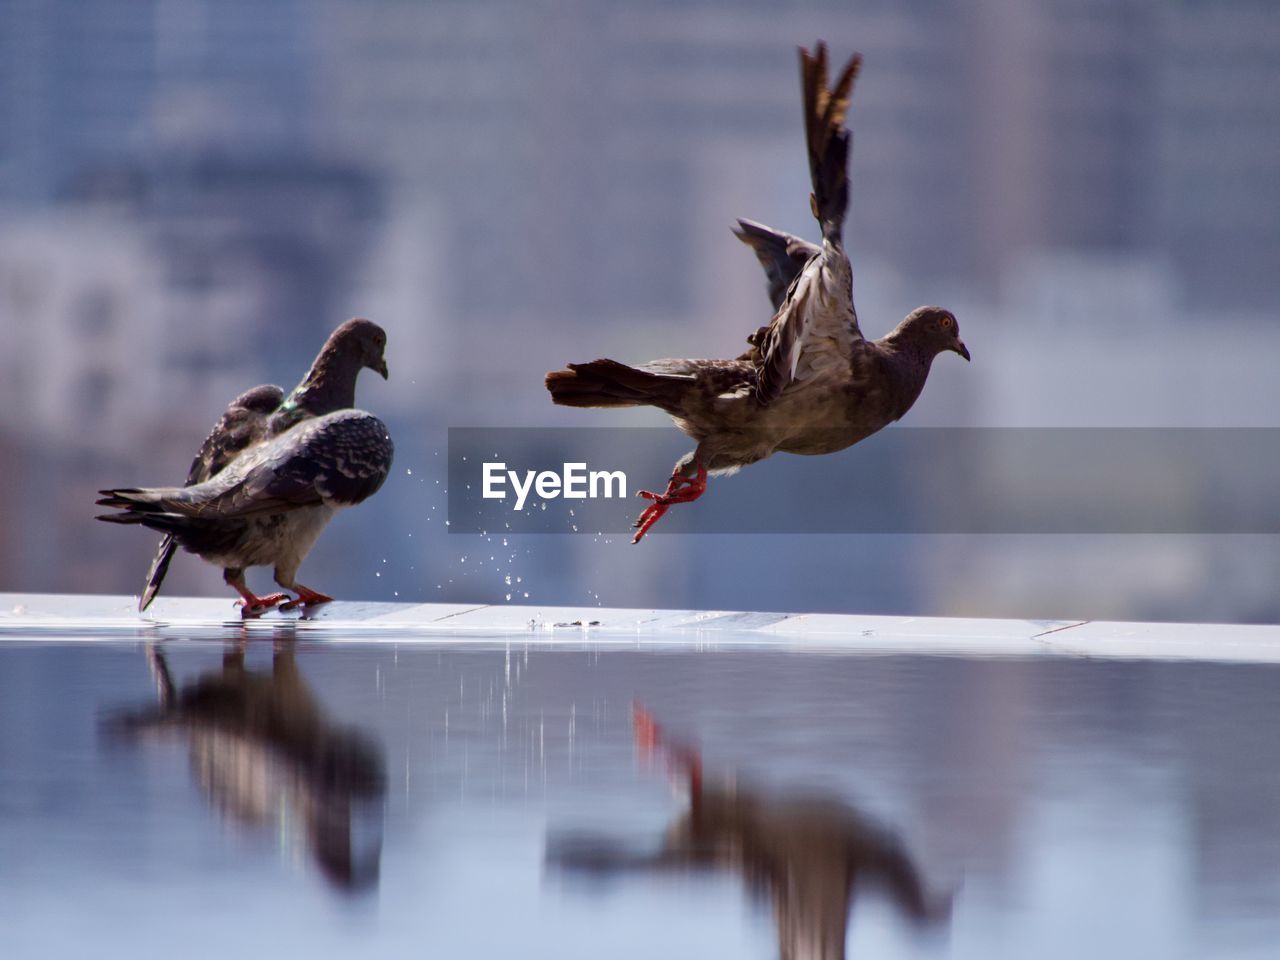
194, 193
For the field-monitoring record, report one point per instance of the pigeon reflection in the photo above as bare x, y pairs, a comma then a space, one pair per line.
806, 855
266, 756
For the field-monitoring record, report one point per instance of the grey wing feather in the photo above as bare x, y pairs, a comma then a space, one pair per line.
243, 423
781, 255
340, 459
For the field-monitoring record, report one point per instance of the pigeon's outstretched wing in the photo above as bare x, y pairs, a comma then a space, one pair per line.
337, 460
816, 326
244, 423
782, 256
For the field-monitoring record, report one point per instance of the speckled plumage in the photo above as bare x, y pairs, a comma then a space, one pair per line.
253, 419
810, 383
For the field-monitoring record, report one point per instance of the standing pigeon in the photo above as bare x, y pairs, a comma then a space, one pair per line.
811, 383
267, 481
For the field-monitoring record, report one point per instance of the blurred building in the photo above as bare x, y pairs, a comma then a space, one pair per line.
185, 280
83, 84
1218, 152
193, 192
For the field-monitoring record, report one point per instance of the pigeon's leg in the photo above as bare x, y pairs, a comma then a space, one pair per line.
306, 597
680, 489
251, 605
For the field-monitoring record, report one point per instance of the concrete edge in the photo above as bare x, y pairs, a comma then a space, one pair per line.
80, 617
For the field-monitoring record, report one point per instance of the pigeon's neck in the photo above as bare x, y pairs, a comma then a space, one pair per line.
908, 350
330, 384
909, 363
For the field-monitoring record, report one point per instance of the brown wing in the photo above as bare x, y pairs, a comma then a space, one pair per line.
816, 327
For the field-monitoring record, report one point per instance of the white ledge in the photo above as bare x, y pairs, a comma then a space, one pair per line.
80, 617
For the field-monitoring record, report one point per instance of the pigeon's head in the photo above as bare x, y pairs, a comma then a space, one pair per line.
363, 341
934, 329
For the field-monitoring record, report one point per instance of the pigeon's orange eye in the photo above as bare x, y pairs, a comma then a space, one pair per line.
946, 322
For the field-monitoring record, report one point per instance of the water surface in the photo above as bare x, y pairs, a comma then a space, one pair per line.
484, 798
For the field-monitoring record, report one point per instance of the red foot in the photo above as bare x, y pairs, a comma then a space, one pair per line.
306, 598
252, 606
694, 487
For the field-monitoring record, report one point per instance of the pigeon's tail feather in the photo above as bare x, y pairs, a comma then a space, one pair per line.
170, 523
146, 500
198, 535
607, 383
156, 575
827, 137
166, 510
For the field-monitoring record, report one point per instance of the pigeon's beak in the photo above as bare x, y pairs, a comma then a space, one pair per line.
381, 367
961, 349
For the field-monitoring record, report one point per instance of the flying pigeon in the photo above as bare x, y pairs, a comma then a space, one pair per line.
268, 480
810, 383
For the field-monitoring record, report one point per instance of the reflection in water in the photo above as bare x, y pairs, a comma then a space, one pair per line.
805, 854
265, 755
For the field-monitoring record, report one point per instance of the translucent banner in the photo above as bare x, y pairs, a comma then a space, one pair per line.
903, 480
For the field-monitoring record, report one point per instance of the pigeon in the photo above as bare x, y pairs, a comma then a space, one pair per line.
267, 499
810, 382
242, 425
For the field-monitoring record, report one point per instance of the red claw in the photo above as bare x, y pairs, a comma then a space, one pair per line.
680, 489
252, 606
306, 597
